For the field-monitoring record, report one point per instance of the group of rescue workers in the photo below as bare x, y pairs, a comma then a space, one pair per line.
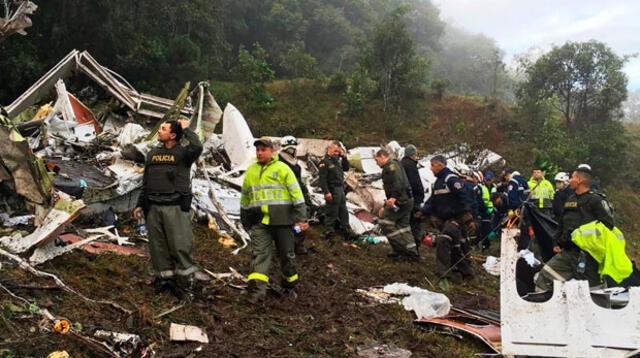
465, 208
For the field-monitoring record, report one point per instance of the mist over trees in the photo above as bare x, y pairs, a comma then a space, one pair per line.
158, 45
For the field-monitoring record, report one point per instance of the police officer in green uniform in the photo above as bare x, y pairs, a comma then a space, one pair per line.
332, 169
394, 216
165, 201
272, 207
582, 207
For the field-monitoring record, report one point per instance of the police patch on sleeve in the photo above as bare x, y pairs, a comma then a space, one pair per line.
457, 185
392, 167
510, 187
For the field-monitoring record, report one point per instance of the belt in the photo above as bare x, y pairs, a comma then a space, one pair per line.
165, 203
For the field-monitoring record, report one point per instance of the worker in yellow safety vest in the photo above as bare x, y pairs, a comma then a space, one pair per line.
272, 208
542, 192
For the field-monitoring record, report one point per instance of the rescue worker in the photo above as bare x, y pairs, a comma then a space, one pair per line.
165, 202
272, 207
489, 182
517, 189
486, 211
451, 206
394, 216
563, 191
332, 169
288, 151
410, 165
542, 192
582, 207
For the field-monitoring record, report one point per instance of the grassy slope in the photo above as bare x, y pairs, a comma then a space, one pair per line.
328, 319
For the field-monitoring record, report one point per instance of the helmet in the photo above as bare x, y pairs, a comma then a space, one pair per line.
584, 166
287, 141
562, 176
478, 175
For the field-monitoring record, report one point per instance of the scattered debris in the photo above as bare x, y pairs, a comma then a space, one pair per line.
126, 344
492, 265
62, 213
484, 328
16, 18
383, 351
181, 333
423, 302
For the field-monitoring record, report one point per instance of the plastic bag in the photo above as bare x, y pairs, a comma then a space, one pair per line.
424, 303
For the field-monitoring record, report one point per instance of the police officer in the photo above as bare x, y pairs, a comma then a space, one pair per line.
394, 216
332, 169
542, 192
272, 207
288, 152
410, 165
165, 202
563, 192
582, 207
451, 205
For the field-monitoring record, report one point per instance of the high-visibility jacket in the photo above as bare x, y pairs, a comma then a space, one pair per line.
542, 192
606, 247
272, 191
486, 198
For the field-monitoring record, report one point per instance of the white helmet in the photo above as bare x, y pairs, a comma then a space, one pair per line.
562, 176
288, 141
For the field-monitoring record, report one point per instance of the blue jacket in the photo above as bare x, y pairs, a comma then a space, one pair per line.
517, 191
449, 197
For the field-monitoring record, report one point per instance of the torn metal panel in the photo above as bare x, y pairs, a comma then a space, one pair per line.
83, 62
487, 330
62, 213
569, 324
202, 204
182, 333
23, 166
51, 250
237, 137
98, 247
207, 113
8, 221
361, 158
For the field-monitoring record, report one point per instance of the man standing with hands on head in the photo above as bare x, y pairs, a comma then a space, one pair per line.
272, 207
165, 202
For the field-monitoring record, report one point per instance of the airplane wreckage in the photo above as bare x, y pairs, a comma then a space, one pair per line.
75, 144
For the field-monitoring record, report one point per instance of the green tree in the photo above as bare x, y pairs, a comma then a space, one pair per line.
393, 60
299, 64
359, 88
254, 71
586, 77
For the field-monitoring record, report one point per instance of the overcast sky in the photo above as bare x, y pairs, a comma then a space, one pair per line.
518, 25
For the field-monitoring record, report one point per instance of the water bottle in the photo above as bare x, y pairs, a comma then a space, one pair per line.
582, 262
297, 229
142, 225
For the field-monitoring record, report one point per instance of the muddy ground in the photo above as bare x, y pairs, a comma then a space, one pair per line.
327, 319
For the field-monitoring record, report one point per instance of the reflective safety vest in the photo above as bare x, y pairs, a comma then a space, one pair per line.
606, 247
542, 192
274, 189
486, 196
